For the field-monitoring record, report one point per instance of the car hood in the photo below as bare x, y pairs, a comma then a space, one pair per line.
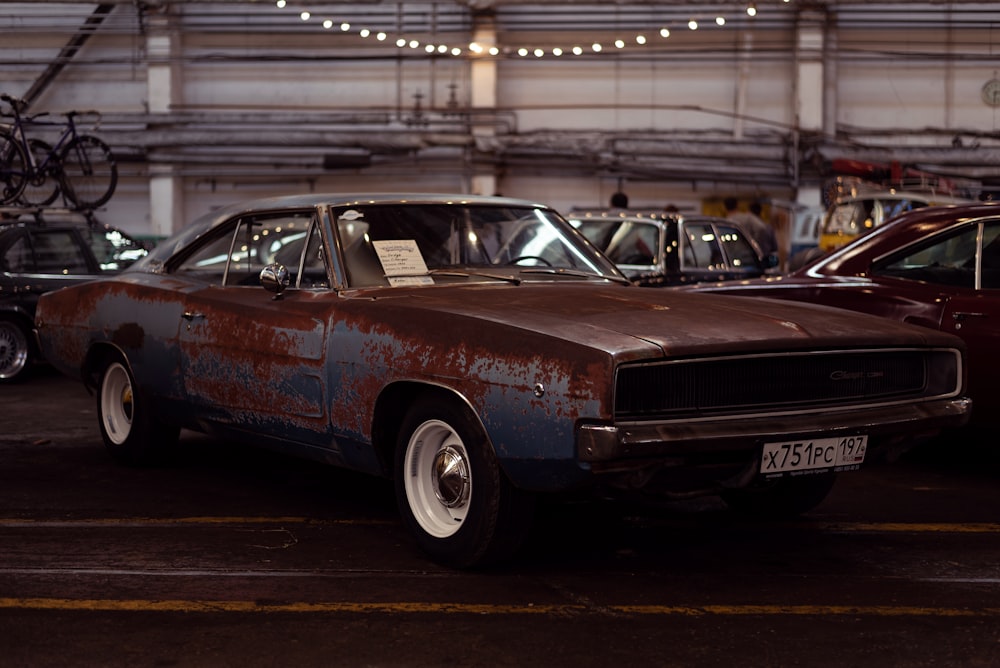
618, 318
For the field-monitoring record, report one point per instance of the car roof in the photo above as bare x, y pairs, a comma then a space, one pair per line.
44, 216
313, 200
901, 195
207, 222
655, 217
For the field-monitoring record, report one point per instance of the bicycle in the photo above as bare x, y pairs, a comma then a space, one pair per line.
34, 173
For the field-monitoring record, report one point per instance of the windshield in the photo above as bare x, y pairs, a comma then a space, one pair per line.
413, 244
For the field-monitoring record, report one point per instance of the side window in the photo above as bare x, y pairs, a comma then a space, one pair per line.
738, 249
17, 257
635, 243
58, 252
243, 247
113, 249
946, 261
701, 248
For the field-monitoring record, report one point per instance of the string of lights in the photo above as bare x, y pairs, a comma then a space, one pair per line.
475, 49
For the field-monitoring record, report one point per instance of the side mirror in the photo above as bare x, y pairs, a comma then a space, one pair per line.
274, 278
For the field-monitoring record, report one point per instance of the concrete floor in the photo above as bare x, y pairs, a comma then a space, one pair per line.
235, 557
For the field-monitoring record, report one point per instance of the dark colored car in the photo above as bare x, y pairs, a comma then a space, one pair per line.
480, 351
43, 250
938, 267
673, 249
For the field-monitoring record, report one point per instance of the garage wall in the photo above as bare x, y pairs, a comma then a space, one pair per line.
680, 120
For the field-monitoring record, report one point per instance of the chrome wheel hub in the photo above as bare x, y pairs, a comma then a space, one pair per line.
451, 477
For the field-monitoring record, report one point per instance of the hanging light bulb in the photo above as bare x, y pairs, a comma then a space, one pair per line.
720, 20
692, 24
664, 33
751, 10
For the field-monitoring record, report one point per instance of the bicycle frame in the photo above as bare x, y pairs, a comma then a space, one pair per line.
17, 131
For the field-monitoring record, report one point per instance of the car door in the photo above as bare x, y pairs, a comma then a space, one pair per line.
701, 254
974, 315
955, 276
36, 260
249, 359
742, 258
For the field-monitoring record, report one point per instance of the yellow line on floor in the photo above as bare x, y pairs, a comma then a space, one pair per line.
403, 607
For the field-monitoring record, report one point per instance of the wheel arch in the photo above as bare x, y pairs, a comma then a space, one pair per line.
391, 407
95, 360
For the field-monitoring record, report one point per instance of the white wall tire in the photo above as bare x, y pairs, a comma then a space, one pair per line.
117, 403
438, 485
131, 432
450, 490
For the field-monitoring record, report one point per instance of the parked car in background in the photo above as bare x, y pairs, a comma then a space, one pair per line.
480, 351
861, 209
670, 249
856, 215
43, 250
938, 267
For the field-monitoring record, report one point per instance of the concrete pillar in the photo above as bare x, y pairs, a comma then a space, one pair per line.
163, 92
483, 81
810, 82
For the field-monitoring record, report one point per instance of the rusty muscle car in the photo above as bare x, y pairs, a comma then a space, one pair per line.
480, 352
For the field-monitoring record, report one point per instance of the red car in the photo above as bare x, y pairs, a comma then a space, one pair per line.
938, 267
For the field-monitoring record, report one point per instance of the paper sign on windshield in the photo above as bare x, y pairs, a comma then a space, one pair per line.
402, 262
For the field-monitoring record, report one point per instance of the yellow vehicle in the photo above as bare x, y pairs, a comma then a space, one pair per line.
865, 195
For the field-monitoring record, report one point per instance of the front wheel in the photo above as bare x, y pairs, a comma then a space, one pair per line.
785, 497
451, 492
130, 431
89, 172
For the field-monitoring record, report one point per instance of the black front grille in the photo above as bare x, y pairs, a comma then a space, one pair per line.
781, 382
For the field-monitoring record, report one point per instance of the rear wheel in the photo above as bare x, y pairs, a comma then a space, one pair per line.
89, 172
130, 432
785, 497
16, 352
43, 187
13, 169
450, 490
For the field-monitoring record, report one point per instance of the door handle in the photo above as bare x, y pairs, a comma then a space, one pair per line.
961, 316
190, 315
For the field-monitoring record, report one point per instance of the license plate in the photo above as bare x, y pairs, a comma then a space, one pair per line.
843, 453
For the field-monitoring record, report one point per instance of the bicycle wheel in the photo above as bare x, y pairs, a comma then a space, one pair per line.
13, 168
89, 172
43, 186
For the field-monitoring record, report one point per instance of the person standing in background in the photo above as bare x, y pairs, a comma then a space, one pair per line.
619, 200
755, 226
